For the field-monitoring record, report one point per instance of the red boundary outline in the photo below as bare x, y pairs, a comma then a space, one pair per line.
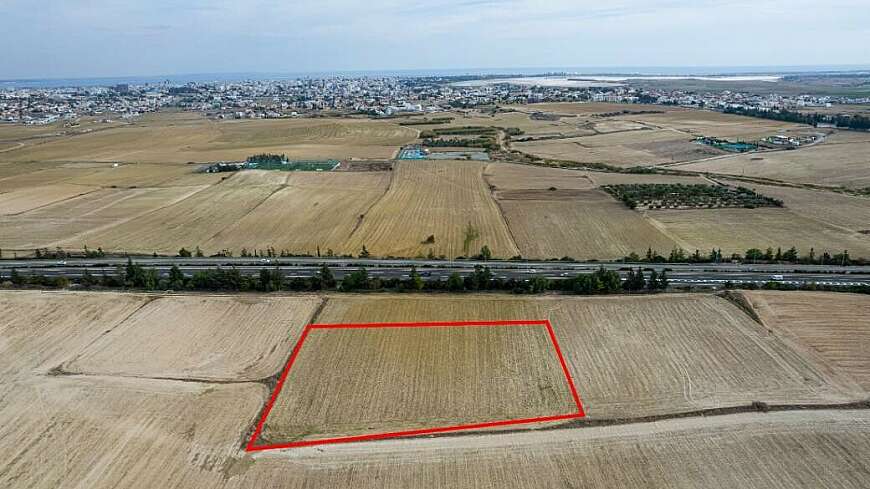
252, 447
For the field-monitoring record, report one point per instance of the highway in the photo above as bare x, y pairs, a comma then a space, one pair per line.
709, 274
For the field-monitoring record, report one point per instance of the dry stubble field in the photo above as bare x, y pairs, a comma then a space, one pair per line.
763, 451
636, 139
187, 223
640, 356
849, 212
737, 230
835, 328
204, 338
312, 211
434, 198
65, 221
628, 356
184, 137
131, 207
582, 224
416, 378
843, 160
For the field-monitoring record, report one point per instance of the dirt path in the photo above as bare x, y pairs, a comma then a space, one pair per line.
432, 449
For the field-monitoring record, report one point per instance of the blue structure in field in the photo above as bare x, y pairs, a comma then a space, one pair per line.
412, 153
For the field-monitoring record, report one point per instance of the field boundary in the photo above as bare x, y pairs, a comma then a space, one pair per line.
545, 323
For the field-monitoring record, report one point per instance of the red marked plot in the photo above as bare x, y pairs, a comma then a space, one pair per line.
579, 413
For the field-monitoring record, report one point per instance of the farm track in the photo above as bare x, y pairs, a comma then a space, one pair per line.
582, 423
271, 382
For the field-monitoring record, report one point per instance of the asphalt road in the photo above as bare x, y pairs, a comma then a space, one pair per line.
679, 274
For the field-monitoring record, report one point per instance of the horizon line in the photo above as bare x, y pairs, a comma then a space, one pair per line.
767, 69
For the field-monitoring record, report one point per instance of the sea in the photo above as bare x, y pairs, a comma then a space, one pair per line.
603, 71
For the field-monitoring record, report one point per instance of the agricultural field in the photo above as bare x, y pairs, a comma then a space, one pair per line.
188, 223
718, 125
582, 224
407, 378
639, 356
39, 330
737, 230
852, 213
623, 149
22, 176
629, 356
445, 199
154, 201
750, 451
608, 178
18, 176
199, 337
831, 327
634, 139
103, 432
508, 176
185, 137
837, 162
313, 211
520, 120
23, 200
50, 225
147, 175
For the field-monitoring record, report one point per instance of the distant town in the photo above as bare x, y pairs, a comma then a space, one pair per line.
372, 96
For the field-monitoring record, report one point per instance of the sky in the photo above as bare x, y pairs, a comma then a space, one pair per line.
107, 38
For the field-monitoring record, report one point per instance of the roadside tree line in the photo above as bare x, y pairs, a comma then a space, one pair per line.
137, 277
676, 255
600, 282
751, 256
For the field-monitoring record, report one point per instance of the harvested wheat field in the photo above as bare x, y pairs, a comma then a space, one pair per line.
382, 380
624, 149
629, 356
844, 164
148, 175
640, 356
582, 224
48, 226
180, 138
608, 178
849, 212
737, 230
507, 176
354, 308
442, 199
101, 432
39, 330
194, 337
314, 210
189, 223
716, 124
834, 328
635, 357
25, 199
519, 120
17, 176
764, 451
